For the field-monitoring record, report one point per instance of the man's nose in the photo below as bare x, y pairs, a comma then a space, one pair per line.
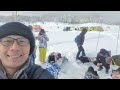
15, 46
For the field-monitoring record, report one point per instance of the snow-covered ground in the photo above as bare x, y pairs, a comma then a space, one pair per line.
63, 42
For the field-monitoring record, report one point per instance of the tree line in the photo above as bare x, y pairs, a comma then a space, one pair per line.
63, 18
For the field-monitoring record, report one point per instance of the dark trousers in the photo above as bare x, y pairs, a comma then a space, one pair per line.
80, 49
107, 66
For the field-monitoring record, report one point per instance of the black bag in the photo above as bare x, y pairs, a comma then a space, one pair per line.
84, 59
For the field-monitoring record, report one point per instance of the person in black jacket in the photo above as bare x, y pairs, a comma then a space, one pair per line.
81, 38
101, 60
17, 43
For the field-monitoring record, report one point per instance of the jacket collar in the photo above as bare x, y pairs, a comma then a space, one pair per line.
3, 74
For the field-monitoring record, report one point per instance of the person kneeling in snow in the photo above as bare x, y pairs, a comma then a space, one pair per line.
100, 60
91, 74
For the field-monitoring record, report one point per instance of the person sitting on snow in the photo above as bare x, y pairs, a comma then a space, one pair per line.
100, 60
91, 74
55, 62
59, 59
52, 66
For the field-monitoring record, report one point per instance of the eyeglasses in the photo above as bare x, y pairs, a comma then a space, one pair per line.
8, 41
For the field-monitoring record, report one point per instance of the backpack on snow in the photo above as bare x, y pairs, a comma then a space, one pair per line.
84, 59
76, 39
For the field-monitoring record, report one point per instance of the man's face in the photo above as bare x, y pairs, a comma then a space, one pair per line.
14, 51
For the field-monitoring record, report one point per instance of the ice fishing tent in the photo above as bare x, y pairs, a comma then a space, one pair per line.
93, 28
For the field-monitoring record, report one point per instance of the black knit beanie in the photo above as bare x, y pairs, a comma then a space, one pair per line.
17, 28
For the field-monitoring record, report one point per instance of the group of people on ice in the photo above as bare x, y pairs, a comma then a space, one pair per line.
103, 59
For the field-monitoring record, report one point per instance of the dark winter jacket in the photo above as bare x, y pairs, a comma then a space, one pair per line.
100, 59
81, 37
102, 55
28, 71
